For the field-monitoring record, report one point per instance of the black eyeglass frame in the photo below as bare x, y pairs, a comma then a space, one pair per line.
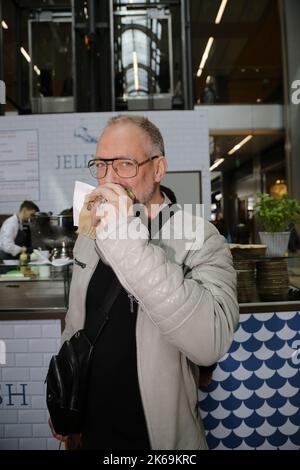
110, 161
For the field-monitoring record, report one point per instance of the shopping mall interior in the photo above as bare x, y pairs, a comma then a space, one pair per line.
229, 58
221, 80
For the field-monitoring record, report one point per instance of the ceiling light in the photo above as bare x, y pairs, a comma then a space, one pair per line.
135, 70
240, 145
217, 163
4, 25
221, 11
205, 56
25, 54
258, 100
211, 39
37, 70
250, 203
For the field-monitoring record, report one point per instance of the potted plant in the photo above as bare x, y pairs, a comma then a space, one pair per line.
275, 215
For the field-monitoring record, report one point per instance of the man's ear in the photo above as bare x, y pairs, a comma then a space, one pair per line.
160, 168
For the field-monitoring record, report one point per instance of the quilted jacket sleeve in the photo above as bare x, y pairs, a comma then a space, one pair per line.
197, 312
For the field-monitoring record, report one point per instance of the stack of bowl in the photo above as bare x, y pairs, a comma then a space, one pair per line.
246, 284
272, 280
244, 261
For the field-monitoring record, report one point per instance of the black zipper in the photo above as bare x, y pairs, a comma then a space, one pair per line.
132, 300
79, 263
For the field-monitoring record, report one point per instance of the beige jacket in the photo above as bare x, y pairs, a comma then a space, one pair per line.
187, 315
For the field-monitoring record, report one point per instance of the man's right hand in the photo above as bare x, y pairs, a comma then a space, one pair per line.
57, 436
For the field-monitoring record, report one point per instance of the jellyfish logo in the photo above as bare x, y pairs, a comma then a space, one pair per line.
83, 134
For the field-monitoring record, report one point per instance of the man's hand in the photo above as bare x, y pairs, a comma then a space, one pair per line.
57, 436
109, 202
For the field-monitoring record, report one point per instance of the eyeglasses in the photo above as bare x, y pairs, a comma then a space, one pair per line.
124, 167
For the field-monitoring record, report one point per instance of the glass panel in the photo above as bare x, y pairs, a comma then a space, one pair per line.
52, 59
126, 2
241, 166
142, 54
22, 64
237, 55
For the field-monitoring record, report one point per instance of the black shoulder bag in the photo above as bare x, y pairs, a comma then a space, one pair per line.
67, 377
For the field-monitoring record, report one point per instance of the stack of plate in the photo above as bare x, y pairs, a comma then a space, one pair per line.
272, 280
247, 251
246, 284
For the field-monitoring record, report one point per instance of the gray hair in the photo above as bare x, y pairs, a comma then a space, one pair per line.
143, 123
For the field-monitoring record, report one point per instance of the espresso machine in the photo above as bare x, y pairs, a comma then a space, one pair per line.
55, 233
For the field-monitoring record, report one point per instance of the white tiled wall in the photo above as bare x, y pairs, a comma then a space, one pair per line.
29, 347
186, 141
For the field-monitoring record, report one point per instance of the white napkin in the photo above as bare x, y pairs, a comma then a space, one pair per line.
42, 259
61, 262
80, 191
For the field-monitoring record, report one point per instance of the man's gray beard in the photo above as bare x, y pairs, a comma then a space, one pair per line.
147, 196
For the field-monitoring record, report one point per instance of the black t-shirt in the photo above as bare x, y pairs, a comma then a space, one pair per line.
114, 416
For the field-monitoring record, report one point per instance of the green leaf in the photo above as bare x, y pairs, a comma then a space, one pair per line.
276, 213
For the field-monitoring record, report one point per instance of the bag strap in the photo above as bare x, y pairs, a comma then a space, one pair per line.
112, 294
155, 225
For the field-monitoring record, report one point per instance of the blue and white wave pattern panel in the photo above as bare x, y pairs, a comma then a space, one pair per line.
254, 399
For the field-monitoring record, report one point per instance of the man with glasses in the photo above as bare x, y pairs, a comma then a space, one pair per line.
176, 310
